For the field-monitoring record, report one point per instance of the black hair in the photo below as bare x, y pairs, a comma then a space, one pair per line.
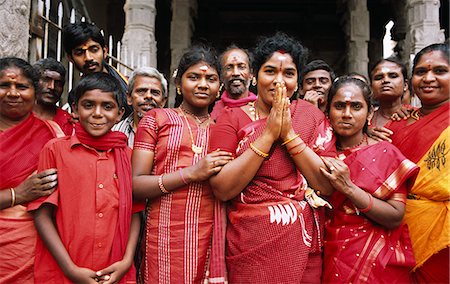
316, 65
442, 47
101, 81
357, 75
50, 64
195, 54
76, 34
394, 60
347, 80
27, 70
267, 46
235, 47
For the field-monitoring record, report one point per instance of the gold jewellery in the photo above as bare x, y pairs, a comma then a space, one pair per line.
196, 149
253, 110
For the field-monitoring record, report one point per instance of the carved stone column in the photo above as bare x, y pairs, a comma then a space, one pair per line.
15, 31
357, 28
138, 41
424, 28
181, 30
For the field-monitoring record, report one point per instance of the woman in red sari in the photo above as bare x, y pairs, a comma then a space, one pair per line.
22, 136
424, 139
273, 235
365, 238
171, 168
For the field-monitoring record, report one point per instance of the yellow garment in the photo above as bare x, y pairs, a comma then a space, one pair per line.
428, 215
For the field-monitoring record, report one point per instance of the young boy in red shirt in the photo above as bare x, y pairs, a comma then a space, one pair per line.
88, 227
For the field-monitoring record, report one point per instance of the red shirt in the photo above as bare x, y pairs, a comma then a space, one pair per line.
87, 201
64, 120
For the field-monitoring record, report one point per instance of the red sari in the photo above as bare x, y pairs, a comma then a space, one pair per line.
357, 250
426, 142
19, 154
179, 225
272, 233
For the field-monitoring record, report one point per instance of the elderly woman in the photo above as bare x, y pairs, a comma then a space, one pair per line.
22, 137
424, 139
273, 234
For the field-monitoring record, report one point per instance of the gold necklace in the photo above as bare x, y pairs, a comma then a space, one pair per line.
200, 119
253, 110
196, 149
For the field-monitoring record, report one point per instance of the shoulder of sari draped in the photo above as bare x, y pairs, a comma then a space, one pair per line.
370, 170
20, 147
416, 139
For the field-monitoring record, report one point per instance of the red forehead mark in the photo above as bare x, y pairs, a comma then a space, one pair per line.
12, 76
281, 51
204, 68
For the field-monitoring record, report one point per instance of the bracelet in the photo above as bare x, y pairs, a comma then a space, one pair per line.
299, 151
258, 152
182, 177
161, 185
290, 139
13, 197
293, 147
367, 209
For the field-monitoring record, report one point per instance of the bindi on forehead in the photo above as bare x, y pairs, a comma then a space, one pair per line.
12, 76
348, 96
385, 69
204, 68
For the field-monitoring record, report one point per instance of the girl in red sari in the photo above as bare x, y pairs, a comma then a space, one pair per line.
424, 138
22, 136
273, 234
365, 238
171, 168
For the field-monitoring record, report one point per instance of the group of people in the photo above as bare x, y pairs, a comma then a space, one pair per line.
295, 176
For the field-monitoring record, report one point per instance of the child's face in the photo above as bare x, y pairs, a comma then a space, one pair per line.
97, 112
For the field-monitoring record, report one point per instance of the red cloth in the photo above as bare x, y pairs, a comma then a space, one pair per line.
19, 154
179, 225
91, 200
356, 249
64, 120
227, 102
271, 229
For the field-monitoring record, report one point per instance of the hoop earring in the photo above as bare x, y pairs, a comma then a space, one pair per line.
178, 91
254, 81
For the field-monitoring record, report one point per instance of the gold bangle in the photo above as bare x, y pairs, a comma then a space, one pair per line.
161, 185
258, 152
13, 197
290, 139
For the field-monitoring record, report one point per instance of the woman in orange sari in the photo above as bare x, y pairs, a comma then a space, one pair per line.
424, 139
365, 238
22, 136
171, 168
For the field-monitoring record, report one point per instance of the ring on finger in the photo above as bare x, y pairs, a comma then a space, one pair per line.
332, 168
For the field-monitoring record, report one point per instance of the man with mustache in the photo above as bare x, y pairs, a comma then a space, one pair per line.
315, 83
147, 89
51, 82
85, 47
237, 75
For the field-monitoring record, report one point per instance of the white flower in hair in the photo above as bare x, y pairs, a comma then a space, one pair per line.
175, 72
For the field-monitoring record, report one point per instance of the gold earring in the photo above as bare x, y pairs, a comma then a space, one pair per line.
218, 95
178, 91
254, 81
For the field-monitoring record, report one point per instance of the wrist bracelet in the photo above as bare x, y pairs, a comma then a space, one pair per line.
161, 185
367, 209
290, 139
182, 177
258, 152
299, 151
295, 146
13, 197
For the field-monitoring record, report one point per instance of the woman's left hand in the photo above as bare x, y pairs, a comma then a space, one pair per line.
338, 174
287, 131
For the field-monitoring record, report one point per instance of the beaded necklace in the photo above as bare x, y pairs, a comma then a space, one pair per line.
342, 149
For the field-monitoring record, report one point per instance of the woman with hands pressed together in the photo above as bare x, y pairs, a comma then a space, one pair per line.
171, 168
273, 235
22, 136
365, 238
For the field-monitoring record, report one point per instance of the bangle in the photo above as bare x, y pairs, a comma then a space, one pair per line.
367, 209
161, 185
182, 177
290, 139
258, 152
13, 197
299, 151
293, 147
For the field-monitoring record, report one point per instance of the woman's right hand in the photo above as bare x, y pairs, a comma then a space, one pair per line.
274, 122
209, 165
36, 185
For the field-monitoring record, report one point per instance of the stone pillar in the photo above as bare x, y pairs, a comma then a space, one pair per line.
358, 36
181, 31
138, 41
15, 31
424, 28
